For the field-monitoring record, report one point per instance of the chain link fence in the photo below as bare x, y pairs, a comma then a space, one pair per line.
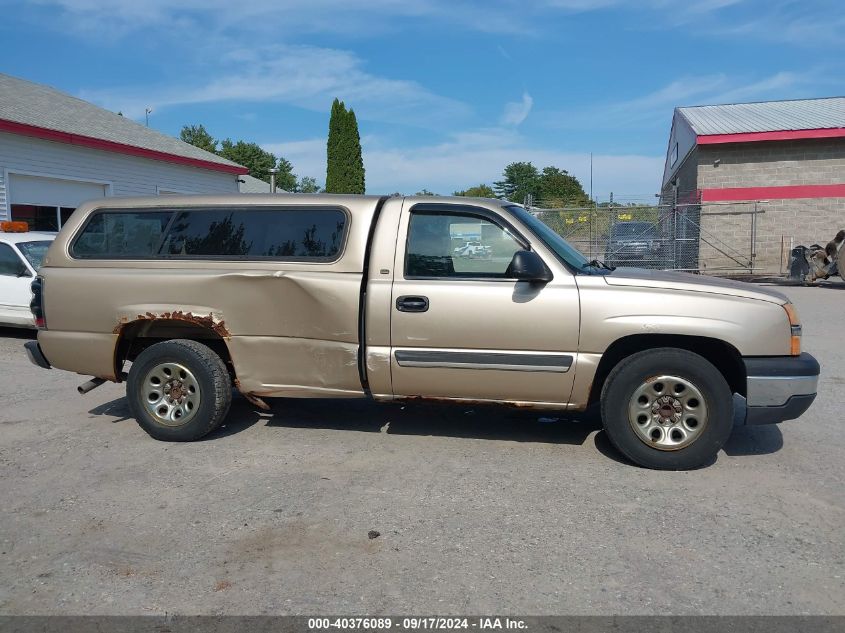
689, 236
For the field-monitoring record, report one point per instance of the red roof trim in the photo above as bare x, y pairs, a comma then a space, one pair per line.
23, 129
787, 192
782, 135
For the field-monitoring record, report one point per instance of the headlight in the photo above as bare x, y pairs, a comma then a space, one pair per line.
794, 329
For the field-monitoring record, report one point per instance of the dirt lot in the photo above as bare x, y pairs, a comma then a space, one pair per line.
480, 510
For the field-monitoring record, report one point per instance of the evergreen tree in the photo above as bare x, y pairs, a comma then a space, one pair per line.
344, 161
356, 159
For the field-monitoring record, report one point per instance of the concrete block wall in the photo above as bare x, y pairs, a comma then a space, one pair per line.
784, 222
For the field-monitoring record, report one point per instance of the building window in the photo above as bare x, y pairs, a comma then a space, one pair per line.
673, 158
40, 217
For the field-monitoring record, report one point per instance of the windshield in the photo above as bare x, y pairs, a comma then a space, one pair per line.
563, 249
34, 252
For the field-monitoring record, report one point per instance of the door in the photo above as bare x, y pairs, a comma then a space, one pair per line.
15, 279
462, 327
46, 203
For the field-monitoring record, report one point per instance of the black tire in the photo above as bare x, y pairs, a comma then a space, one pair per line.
213, 383
635, 371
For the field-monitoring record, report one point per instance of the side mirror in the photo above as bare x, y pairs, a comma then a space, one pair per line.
23, 271
527, 266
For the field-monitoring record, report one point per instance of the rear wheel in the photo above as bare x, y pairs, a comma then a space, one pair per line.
179, 390
667, 408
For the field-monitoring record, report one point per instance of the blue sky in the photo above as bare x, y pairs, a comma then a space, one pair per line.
446, 91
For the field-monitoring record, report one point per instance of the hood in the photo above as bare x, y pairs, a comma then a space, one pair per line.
672, 280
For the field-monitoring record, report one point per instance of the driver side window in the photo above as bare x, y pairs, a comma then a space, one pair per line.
457, 245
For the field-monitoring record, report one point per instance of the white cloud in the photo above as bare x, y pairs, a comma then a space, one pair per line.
464, 160
656, 107
304, 76
517, 111
108, 18
287, 17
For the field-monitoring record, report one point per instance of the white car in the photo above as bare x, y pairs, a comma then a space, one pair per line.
473, 250
20, 258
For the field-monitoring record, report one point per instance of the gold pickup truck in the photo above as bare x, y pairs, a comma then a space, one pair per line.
322, 296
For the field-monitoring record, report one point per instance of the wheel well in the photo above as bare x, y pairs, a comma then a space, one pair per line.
724, 357
137, 336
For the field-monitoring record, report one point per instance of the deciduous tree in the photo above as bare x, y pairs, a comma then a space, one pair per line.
479, 191
518, 180
558, 188
250, 155
198, 136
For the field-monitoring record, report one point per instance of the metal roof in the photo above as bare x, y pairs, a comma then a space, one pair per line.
41, 106
766, 116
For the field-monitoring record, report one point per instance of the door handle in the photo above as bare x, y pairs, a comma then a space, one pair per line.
412, 303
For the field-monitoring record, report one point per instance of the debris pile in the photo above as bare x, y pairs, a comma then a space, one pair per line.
815, 262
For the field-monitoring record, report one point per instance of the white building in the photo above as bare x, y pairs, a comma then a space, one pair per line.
57, 150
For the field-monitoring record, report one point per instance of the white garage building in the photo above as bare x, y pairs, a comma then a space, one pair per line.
57, 150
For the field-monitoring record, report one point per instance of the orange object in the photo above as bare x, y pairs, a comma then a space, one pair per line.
795, 327
14, 227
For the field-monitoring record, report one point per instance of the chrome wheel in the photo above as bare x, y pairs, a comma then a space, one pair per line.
171, 394
667, 412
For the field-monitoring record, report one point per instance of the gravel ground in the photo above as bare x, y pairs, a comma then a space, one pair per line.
479, 511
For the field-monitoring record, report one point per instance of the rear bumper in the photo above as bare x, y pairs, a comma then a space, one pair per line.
35, 355
780, 388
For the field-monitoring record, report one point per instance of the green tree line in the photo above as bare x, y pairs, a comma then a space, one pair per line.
252, 156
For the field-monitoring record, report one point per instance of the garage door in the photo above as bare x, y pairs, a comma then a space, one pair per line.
53, 192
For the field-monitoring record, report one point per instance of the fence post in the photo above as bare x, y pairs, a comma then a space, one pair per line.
753, 236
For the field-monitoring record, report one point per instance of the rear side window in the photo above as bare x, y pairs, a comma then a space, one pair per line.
247, 233
122, 234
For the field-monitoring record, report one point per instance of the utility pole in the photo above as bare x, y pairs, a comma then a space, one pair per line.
147, 113
591, 175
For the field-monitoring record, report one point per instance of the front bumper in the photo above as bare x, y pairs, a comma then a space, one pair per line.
779, 388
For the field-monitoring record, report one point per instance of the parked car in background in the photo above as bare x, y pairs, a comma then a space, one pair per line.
327, 296
21, 253
635, 244
474, 249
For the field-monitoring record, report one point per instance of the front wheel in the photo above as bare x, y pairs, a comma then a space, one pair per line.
179, 390
667, 408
